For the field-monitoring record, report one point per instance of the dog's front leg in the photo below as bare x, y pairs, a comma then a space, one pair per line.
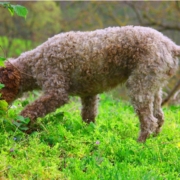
89, 108
47, 103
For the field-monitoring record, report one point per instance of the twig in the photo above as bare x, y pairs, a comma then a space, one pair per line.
176, 87
19, 70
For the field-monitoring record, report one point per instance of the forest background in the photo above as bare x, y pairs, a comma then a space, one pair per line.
46, 19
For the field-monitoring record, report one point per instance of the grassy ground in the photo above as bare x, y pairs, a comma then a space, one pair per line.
68, 149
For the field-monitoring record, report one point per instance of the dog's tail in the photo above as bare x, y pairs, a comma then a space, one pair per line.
177, 50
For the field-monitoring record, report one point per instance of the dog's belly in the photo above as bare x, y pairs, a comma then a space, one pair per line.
92, 85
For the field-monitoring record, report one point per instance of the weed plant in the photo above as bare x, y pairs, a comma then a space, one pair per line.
68, 149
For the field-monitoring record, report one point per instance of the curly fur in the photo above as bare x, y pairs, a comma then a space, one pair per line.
85, 64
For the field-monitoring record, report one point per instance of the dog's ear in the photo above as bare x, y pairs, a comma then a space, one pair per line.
10, 77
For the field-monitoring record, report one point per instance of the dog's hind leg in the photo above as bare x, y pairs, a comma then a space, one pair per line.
158, 113
142, 88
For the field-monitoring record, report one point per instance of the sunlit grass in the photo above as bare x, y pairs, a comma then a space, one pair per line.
67, 148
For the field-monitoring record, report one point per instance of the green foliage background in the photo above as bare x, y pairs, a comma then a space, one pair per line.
45, 19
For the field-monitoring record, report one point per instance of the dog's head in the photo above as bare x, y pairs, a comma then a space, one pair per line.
10, 77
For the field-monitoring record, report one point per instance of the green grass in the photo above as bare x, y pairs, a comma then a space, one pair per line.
68, 149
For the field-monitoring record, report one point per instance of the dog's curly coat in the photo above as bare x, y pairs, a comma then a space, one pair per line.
88, 63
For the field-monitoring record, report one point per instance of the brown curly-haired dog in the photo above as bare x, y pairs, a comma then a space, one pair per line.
88, 63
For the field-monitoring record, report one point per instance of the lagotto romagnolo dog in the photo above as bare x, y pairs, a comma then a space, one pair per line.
85, 64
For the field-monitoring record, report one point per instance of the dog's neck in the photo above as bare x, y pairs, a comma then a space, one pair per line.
26, 81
